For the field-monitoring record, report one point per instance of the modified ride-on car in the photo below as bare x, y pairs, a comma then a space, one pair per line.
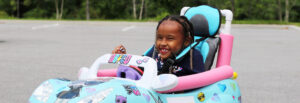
129, 84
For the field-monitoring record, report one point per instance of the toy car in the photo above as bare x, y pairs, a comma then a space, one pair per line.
130, 85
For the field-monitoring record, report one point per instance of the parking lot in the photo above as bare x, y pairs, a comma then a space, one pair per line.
266, 57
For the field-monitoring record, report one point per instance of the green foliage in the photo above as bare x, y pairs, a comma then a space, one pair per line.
153, 9
111, 9
36, 12
6, 6
295, 13
3, 14
161, 16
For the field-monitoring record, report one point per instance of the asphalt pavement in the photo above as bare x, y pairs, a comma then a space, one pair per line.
266, 57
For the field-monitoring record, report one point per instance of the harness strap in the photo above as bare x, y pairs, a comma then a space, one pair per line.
166, 68
187, 49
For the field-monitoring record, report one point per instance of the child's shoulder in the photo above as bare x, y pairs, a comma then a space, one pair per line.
149, 52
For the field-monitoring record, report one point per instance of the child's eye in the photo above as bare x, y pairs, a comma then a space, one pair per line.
159, 38
170, 38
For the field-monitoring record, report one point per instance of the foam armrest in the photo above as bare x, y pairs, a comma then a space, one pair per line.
202, 79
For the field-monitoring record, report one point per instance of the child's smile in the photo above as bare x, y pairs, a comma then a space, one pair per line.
164, 51
169, 39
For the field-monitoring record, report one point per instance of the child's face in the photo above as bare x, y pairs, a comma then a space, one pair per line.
169, 39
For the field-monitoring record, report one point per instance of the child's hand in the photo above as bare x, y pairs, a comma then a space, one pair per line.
119, 50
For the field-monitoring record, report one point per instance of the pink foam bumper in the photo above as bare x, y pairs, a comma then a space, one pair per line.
225, 50
190, 81
107, 73
202, 79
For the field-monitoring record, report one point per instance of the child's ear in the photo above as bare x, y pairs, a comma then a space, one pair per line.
188, 41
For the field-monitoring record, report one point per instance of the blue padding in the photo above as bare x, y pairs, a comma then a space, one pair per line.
198, 47
211, 14
203, 47
197, 37
147, 52
204, 50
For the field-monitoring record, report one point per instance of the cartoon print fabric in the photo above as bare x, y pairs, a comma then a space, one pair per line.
132, 89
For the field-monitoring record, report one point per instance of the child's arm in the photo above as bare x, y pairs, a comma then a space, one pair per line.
119, 50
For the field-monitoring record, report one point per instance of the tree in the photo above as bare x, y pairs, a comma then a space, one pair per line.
61, 9
18, 8
279, 10
141, 10
208, 2
59, 12
134, 9
87, 10
232, 5
288, 7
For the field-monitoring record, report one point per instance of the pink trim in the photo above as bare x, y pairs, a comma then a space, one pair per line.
225, 50
107, 73
202, 79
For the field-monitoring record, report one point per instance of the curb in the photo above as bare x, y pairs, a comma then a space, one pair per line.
294, 27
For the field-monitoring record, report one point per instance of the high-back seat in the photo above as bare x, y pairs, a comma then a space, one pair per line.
206, 22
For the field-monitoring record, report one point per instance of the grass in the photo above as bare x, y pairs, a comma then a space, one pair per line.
265, 22
54, 19
296, 23
258, 22
157, 19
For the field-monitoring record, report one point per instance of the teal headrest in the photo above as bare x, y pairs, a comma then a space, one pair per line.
206, 20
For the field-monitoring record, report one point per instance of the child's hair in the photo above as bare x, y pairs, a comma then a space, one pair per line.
187, 27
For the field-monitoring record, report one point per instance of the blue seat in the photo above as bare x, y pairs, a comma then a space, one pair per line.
206, 22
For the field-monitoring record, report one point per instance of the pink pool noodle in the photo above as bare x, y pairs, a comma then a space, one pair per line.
107, 73
202, 79
225, 50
